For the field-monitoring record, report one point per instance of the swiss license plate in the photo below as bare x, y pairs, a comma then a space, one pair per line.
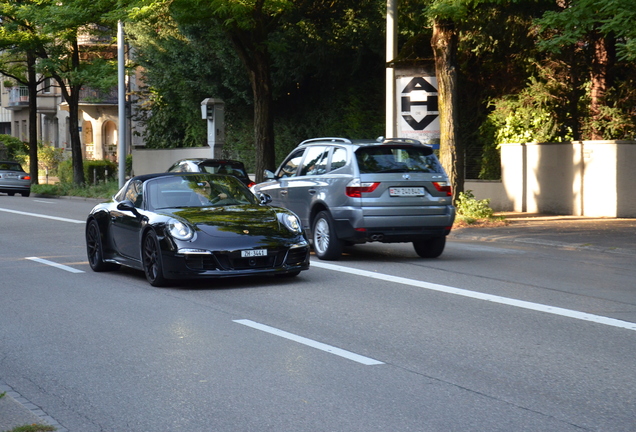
406, 191
253, 253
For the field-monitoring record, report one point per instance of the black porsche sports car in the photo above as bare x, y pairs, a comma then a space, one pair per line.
194, 225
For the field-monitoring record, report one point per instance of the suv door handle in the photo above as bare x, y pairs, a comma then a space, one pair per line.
312, 191
283, 192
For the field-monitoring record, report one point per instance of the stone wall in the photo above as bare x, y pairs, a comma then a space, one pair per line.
581, 178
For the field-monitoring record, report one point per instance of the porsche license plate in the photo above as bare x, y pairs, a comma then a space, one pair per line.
406, 191
253, 253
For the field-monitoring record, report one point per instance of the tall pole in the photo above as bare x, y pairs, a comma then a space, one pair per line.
391, 50
121, 97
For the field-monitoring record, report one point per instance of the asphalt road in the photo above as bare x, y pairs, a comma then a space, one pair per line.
496, 335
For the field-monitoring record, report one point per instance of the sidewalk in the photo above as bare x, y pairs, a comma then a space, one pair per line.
607, 235
17, 411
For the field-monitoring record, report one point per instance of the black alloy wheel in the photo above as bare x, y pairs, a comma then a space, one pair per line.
151, 255
94, 249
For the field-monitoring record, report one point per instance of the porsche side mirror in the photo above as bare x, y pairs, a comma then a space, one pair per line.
264, 198
127, 205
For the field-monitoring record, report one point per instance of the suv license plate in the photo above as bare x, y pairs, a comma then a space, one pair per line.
253, 253
406, 191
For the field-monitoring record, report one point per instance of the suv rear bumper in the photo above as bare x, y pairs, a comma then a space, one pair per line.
351, 226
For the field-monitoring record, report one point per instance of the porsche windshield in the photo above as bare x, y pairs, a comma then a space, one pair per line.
197, 191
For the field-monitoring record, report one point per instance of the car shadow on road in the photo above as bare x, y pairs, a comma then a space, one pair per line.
223, 283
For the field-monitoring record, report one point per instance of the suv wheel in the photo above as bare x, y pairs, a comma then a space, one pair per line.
326, 245
431, 248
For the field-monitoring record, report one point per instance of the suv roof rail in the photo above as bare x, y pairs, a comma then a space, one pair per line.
329, 139
404, 140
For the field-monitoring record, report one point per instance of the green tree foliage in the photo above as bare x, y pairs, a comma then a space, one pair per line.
589, 33
49, 157
326, 65
70, 41
19, 43
14, 146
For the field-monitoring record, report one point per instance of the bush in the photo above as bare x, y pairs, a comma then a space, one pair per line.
99, 171
470, 209
101, 190
65, 171
14, 147
95, 171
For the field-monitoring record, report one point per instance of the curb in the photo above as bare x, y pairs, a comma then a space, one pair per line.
16, 411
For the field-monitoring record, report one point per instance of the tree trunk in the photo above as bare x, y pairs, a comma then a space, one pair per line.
444, 43
76, 144
263, 121
602, 62
72, 99
33, 118
252, 49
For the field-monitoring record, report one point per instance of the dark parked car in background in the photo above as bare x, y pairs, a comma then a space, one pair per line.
213, 166
13, 179
348, 192
194, 225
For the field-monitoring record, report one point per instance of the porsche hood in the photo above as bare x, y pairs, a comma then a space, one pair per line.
229, 221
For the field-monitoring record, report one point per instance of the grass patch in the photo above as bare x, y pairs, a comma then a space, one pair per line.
475, 213
101, 190
33, 428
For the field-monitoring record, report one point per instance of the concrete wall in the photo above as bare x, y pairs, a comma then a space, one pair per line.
583, 178
147, 161
492, 190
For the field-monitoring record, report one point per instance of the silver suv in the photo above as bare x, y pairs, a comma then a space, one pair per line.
347, 192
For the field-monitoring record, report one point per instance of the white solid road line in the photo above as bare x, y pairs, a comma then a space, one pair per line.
481, 296
54, 264
309, 342
420, 284
43, 216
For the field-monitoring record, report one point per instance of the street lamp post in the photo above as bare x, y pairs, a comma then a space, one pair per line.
121, 78
391, 50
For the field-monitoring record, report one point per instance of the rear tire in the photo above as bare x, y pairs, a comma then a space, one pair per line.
327, 246
25, 194
431, 248
151, 256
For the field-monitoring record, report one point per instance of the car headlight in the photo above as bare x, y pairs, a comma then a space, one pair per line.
180, 230
290, 222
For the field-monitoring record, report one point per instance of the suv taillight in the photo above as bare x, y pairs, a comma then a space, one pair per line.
355, 189
443, 187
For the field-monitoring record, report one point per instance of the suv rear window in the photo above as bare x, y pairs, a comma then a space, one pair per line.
10, 166
393, 159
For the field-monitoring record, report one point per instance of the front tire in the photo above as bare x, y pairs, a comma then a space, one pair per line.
94, 248
431, 248
151, 256
327, 246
